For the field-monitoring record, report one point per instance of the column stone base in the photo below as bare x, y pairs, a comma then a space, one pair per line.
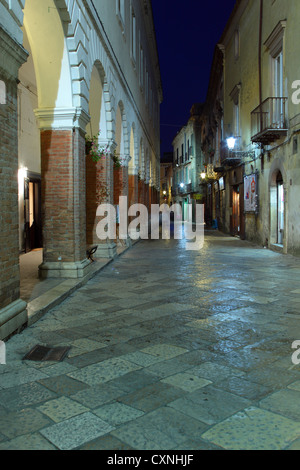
106, 250
12, 318
68, 270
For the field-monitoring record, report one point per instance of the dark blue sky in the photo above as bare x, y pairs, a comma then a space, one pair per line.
186, 33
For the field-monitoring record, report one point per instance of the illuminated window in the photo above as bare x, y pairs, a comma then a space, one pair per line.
2, 92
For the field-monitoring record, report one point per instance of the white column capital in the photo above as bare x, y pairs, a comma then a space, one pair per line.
124, 160
62, 118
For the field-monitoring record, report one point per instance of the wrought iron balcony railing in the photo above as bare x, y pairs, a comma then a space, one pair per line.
269, 121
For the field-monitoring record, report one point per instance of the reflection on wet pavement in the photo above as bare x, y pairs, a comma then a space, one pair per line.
170, 349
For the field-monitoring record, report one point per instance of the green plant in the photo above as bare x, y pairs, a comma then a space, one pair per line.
93, 150
116, 160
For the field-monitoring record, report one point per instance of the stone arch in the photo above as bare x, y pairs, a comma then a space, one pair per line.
29, 154
98, 58
99, 103
50, 57
121, 132
133, 163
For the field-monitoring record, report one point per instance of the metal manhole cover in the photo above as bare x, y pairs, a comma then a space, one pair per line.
44, 353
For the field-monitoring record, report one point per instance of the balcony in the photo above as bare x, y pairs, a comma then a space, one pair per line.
229, 157
269, 121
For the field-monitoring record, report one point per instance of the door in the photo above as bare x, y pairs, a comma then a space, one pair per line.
236, 210
32, 213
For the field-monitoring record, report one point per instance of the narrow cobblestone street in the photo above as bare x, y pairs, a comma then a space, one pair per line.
170, 349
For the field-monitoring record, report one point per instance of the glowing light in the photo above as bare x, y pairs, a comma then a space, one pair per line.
22, 174
231, 143
203, 175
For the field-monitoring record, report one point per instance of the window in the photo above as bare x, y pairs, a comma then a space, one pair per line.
141, 67
2, 92
147, 87
235, 96
133, 36
236, 44
121, 13
274, 44
295, 145
277, 63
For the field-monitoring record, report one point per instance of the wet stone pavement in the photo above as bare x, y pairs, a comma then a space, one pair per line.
170, 349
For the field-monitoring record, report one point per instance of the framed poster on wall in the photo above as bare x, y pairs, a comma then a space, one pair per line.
251, 193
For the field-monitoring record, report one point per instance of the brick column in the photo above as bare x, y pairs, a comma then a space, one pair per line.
99, 189
13, 314
141, 192
121, 183
132, 189
63, 193
146, 192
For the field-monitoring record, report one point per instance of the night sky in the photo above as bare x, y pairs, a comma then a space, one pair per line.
186, 33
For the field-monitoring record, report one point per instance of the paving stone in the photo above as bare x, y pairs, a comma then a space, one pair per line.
215, 372
186, 381
107, 442
63, 385
209, 405
24, 395
161, 429
25, 421
164, 351
246, 430
76, 431
62, 408
95, 396
117, 413
244, 388
152, 396
27, 442
134, 381
285, 402
103, 371
20, 377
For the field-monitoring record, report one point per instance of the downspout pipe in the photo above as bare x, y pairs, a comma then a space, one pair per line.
259, 58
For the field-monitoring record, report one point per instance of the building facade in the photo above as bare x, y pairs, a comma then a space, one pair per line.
72, 72
188, 165
166, 178
256, 160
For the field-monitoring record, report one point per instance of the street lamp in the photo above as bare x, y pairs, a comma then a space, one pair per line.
231, 143
203, 175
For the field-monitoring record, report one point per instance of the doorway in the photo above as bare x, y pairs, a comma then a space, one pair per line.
32, 213
236, 215
280, 209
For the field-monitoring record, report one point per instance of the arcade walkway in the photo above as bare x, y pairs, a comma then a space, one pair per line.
169, 349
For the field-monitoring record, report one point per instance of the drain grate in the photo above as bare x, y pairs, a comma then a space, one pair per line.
44, 353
